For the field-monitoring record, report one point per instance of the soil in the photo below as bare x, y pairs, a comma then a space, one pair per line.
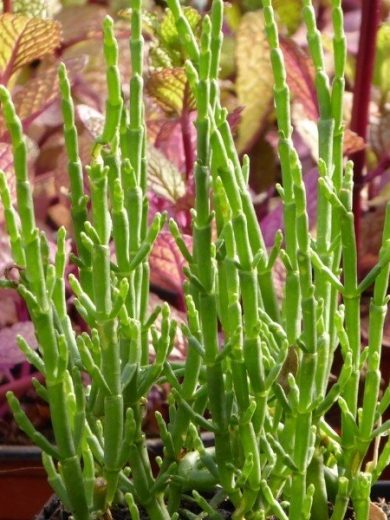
38, 413
53, 510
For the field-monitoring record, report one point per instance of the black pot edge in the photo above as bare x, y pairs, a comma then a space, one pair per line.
381, 489
15, 453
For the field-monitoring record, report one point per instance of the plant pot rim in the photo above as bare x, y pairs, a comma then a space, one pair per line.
381, 489
11, 452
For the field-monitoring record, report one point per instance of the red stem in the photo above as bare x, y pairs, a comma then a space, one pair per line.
7, 6
361, 98
185, 122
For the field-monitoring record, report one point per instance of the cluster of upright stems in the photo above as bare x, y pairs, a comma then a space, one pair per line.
260, 368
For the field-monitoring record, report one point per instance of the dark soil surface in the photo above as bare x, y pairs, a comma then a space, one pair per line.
38, 413
53, 510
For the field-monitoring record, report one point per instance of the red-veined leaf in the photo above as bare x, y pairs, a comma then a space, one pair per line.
166, 263
33, 98
92, 119
300, 76
279, 278
376, 512
307, 129
168, 137
24, 40
163, 176
169, 88
254, 82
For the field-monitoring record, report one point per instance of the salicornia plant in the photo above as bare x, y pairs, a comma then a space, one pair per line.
111, 296
257, 370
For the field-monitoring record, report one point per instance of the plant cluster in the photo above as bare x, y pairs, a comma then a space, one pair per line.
257, 370
41, 33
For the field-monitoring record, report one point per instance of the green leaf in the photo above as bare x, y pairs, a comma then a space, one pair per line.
382, 63
227, 65
150, 20
166, 44
36, 8
168, 33
289, 13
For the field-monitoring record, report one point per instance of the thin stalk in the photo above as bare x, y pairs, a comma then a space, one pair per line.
186, 127
7, 6
337, 101
75, 171
282, 99
378, 310
325, 149
361, 98
206, 269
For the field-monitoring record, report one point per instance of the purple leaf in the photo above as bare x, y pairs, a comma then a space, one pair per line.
167, 262
5, 253
10, 353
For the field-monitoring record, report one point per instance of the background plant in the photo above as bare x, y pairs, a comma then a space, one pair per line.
259, 368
